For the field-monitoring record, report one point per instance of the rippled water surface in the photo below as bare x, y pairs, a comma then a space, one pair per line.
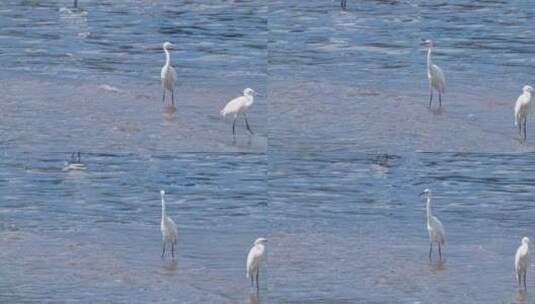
350, 228
89, 78
356, 79
330, 175
94, 235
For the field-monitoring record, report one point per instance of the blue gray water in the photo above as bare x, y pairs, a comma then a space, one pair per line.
356, 79
330, 176
350, 227
94, 235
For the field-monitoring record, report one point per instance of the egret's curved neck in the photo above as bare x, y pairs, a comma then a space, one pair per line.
429, 58
429, 208
167, 57
163, 209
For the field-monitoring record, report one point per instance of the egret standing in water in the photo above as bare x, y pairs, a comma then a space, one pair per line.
253, 260
168, 74
238, 106
435, 76
168, 228
522, 107
522, 261
434, 227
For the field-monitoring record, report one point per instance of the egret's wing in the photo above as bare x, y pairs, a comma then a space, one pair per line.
518, 105
252, 260
171, 226
172, 74
437, 71
440, 229
162, 73
234, 105
517, 259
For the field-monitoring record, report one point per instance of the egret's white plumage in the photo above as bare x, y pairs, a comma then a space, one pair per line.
254, 259
168, 74
436, 231
522, 261
168, 228
522, 107
436, 77
239, 105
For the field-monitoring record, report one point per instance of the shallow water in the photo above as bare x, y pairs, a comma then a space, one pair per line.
331, 174
350, 227
94, 234
356, 79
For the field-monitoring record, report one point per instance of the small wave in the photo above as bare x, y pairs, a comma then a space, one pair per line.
109, 88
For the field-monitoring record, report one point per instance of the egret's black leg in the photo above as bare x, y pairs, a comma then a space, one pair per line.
525, 272
173, 96
439, 251
163, 98
430, 97
252, 280
247, 124
430, 250
75, 3
258, 272
163, 250
234, 127
439, 99
525, 128
343, 3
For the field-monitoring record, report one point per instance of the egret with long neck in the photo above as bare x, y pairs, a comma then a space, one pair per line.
522, 261
435, 228
436, 77
168, 229
254, 258
522, 108
168, 74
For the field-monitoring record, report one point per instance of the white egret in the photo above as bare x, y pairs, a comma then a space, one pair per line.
168, 74
434, 227
436, 77
522, 261
74, 164
168, 228
254, 259
239, 105
522, 107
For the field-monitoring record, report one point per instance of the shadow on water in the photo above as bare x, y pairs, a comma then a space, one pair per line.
242, 144
437, 111
170, 265
521, 297
254, 298
169, 109
438, 265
